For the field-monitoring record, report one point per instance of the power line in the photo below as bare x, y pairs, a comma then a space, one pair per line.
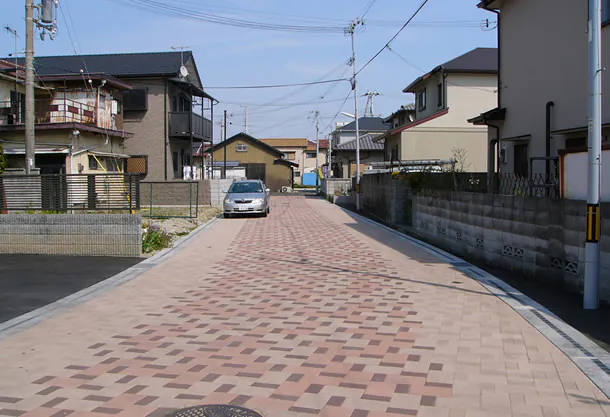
338, 111
421, 6
276, 85
447, 81
367, 8
211, 18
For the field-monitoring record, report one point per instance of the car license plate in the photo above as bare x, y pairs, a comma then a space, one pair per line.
241, 208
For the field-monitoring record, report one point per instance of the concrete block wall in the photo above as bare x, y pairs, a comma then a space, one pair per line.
332, 185
117, 235
216, 188
540, 238
174, 193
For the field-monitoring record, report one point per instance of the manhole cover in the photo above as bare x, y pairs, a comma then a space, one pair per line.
215, 411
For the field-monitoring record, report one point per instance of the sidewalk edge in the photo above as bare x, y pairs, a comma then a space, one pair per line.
34, 317
589, 357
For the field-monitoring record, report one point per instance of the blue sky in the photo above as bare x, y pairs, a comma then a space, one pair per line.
233, 56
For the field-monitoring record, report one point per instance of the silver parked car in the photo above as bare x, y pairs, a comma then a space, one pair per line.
247, 197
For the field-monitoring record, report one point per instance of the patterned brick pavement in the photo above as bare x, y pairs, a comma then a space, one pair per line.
307, 312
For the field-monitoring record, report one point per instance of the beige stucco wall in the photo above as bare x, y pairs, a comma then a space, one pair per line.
276, 175
545, 63
438, 143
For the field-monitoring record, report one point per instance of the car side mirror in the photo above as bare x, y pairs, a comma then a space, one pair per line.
268, 190
224, 191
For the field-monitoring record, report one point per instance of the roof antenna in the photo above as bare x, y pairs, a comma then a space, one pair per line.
183, 71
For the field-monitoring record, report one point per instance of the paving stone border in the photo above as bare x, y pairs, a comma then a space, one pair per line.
39, 315
589, 357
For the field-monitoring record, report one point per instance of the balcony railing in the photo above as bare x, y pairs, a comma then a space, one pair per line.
52, 110
181, 124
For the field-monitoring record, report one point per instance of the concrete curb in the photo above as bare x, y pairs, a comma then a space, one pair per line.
39, 315
591, 359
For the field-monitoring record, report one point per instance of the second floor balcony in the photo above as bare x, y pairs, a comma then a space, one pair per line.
59, 111
182, 124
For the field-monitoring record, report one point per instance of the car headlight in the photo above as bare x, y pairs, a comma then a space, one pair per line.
258, 200
228, 201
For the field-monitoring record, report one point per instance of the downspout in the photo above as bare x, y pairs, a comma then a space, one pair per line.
483, 5
165, 141
549, 104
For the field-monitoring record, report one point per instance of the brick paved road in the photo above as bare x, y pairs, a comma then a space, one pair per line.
307, 312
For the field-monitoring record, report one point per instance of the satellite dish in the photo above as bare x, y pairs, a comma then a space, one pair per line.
183, 71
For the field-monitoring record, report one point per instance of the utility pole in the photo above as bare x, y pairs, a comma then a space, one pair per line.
30, 115
224, 166
329, 156
47, 22
369, 103
351, 30
317, 113
591, 297
246, 120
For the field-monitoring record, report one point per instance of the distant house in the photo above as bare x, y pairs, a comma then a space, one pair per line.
373, 126
248, 157
79, 127
300, 151
542, 107
436, 127
165, 106
344, 156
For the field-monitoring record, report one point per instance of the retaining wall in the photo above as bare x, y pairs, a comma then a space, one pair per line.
71, 234
540, 238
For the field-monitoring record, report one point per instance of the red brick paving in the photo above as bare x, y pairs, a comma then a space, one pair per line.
304, 313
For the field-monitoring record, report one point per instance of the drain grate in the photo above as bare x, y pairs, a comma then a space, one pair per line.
215, 411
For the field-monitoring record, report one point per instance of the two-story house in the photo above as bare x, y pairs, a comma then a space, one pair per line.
343, 149
78, 122
437, 126
302, 152
542, 105
165, 107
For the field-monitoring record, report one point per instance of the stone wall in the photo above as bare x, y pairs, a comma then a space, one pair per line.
216, 191
71, 234
332, 185
175, 193
540, 238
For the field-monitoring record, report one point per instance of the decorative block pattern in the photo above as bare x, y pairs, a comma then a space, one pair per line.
71, 234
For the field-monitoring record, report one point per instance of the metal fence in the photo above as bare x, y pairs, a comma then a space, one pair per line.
502, 183
170, 199
67, 192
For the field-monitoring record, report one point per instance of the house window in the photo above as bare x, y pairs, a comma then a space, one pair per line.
241, 147
421, 100
93, 165
311, 154
439, 93
297, 174
290, 156
605, 11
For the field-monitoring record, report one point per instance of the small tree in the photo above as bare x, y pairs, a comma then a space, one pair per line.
460, 156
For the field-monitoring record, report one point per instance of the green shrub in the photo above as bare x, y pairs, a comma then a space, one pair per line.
155, 239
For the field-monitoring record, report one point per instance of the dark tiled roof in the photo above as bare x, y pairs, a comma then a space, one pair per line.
366, 144
118, 65
477, 61
367, 124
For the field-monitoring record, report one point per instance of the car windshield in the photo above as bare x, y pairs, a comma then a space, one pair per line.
245, 187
